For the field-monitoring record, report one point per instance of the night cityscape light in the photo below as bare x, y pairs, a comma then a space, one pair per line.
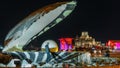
24, 45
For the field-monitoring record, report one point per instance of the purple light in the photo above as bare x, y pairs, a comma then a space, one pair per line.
65, 43
63, 46
117, 45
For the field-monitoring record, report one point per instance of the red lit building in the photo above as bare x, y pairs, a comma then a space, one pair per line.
66, 43
114, 44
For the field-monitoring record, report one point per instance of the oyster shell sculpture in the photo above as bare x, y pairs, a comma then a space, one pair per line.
36, 24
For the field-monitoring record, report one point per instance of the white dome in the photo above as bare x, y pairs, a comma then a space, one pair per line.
52, 45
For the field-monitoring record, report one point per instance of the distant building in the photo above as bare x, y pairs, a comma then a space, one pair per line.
85, 40
114, 44
66, 44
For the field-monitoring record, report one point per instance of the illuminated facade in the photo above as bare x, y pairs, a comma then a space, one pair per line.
114, 44
85, 40
66, 43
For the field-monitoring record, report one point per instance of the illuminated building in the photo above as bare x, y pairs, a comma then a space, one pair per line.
114, 44
66, 43
85, 40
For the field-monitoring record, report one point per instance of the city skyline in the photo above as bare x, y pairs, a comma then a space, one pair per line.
99, 18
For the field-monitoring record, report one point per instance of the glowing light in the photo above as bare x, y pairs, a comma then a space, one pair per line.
114, 44
65, 43
117, 45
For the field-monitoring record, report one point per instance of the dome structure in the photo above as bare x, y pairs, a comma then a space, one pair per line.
51, 44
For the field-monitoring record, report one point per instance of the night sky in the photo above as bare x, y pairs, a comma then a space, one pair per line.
101, 18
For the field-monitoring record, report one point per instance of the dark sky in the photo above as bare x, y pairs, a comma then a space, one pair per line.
101, 18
